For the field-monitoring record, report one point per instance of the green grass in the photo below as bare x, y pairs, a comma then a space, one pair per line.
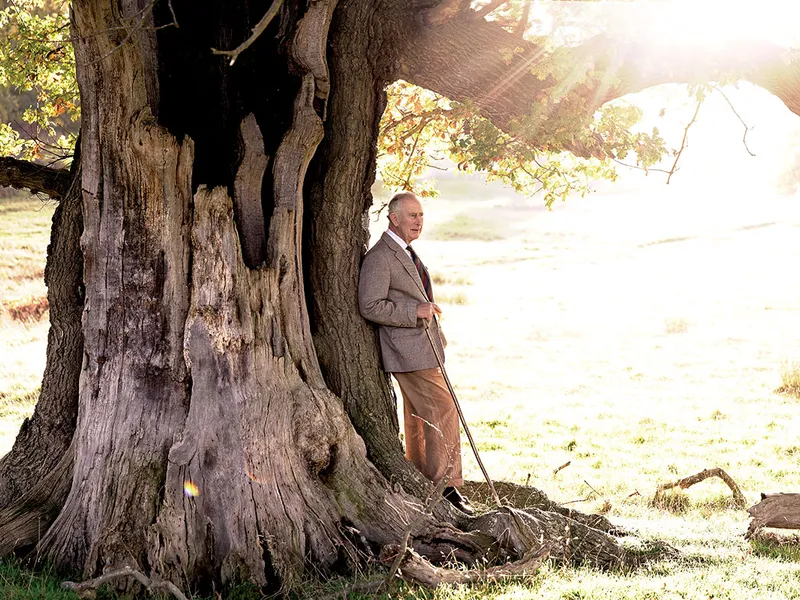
19, 583
24, 235
561, 370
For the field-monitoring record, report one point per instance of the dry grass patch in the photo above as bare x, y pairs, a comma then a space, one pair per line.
459, 298
462, 227
27, 309
440, 279
676, 326
24, 233
790, 379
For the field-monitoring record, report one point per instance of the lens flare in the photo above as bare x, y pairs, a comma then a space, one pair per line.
190, 489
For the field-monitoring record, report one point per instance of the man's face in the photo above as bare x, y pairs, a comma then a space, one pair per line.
407, 221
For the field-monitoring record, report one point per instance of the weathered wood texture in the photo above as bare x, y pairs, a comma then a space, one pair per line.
33, 510
738, 497
212, 443
207, 445
775, 510
415, 569
38, 179
133, 386
337, 233
247, 193
45, 436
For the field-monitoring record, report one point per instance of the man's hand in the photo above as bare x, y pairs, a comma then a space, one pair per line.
427, 310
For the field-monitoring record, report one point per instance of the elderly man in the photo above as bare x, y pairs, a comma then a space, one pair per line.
395, 291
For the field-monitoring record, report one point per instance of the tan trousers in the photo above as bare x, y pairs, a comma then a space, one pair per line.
433, 440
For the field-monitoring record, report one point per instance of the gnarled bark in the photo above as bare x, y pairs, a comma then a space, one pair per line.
337, 231
36, 178
225, 370
44, 437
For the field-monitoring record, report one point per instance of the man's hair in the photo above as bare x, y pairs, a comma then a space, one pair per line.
397, 199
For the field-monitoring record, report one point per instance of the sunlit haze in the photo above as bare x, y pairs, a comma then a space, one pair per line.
681, 21
676, 21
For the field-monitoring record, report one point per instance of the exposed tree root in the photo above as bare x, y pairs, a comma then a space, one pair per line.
569, 541
414, 568
23, 522
686, 482
151, 586
525, 497
434, 497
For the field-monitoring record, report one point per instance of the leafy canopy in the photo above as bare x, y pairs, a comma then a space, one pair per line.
418, 126
36, 56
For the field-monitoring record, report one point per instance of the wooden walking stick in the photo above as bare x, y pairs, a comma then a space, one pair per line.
460, 413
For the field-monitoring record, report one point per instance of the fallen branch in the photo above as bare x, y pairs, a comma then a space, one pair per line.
414, 568
686, 482
560, 468
150, 585
781, 511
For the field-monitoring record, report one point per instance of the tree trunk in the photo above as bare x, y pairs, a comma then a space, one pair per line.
44, 438
207, 448
212, 444
337, 230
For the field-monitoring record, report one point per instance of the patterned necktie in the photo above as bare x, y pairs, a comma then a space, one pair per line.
423, 273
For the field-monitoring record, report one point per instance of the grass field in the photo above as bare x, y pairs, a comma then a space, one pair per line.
640, 339
24, 233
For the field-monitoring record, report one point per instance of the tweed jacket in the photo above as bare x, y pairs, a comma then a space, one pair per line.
389, 290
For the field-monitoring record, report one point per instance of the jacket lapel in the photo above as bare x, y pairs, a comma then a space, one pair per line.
406, 261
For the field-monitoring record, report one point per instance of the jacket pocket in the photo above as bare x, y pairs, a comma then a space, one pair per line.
401, 332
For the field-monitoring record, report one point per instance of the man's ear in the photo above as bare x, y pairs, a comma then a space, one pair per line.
393, 219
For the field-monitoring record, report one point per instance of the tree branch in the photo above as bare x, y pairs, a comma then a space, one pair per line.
22, 174
260, 27
686, 482
472, 60
684, 140
738, 116
522, 25
485, 10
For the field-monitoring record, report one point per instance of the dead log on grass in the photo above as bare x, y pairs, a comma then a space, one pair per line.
781, 511
738, 497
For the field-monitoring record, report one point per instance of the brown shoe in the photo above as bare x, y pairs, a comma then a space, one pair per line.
456, 499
